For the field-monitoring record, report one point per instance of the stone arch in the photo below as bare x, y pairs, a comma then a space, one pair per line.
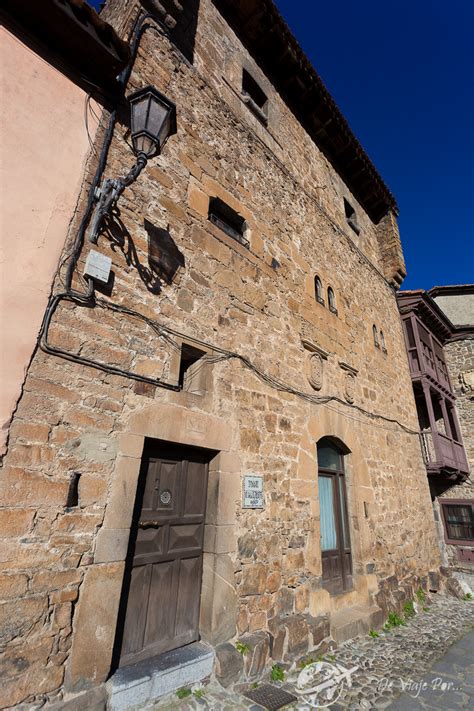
342, 446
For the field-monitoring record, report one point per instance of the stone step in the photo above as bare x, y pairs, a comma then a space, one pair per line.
353, 621
139, 685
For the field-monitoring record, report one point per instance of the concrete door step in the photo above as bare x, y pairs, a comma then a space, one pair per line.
353, 621
142, 683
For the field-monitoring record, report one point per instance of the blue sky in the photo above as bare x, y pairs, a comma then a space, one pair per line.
402, 72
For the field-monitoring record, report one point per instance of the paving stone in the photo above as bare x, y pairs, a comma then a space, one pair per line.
438, 643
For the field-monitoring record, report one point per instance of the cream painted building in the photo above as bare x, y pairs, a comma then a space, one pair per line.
51, 102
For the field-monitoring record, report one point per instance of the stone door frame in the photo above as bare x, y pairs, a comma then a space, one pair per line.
96, 615
360, 496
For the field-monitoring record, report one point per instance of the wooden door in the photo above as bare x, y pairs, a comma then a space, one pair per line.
164, 583
334, 521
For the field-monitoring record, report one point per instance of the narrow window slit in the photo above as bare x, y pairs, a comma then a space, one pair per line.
318, 290
376, 336
73, 491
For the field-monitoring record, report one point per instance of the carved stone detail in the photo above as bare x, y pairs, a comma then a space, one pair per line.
316, 371
467, 381
349, 387
349, 381
314, 363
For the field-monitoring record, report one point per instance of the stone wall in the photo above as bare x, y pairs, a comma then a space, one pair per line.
460, 361
62, 567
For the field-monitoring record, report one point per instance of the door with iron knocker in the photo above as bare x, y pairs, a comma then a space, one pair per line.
164, 582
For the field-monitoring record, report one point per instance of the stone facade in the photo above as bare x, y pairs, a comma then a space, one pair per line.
258, 402
457, 303
460, 361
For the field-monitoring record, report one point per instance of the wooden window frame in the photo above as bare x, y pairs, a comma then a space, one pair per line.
455, 502
339, 475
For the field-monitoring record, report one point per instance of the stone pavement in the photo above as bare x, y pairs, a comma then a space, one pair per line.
448, 685
427, 663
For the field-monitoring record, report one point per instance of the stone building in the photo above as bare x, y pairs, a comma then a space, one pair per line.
439, 334
457, 522
219, 443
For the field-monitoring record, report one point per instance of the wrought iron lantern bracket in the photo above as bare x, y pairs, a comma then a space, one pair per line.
153, 120
110, 192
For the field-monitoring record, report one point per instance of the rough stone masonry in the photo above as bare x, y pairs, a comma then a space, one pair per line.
309, 372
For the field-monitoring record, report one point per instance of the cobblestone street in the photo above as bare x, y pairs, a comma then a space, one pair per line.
427, 663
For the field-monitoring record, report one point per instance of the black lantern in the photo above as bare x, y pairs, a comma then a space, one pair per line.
153, 120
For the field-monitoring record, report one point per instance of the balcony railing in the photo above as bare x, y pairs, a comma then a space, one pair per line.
427, 447
442, 452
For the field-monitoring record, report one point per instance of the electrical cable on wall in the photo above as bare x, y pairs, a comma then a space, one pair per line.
219, 354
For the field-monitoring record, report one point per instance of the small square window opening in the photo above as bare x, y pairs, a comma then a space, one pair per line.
227, 220
254, 97
351, 217
187, 373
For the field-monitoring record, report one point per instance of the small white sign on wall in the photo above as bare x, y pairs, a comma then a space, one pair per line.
253, 492
98, 266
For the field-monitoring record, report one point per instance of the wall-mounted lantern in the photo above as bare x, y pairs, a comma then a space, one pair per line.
153, 120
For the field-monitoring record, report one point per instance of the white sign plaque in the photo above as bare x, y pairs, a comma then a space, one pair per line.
253, 492
98, 266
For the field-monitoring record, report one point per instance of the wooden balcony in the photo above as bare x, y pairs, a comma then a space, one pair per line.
443, 454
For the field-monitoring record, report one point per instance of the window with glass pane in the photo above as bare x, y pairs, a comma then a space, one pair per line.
326, 505
329, 457
334, 522
459, 520
342, 499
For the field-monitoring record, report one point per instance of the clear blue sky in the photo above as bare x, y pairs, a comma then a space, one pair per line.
402, 72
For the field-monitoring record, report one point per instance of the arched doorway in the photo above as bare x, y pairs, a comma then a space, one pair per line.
334, 521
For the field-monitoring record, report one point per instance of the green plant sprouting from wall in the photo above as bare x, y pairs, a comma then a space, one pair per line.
393, 620
242, 648
277, 673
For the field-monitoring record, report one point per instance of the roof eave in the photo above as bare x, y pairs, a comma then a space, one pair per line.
72, 33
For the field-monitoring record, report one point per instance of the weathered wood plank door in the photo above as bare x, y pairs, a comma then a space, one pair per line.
162, 610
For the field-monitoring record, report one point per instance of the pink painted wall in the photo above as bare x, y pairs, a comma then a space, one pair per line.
43, 147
